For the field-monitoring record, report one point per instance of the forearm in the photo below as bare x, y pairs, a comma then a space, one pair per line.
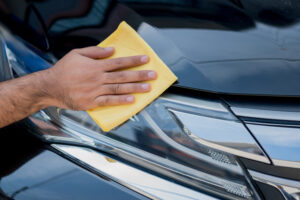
22, 97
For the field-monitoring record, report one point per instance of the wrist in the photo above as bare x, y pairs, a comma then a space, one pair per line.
44, 89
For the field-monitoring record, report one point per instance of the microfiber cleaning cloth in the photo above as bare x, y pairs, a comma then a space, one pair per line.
127, 42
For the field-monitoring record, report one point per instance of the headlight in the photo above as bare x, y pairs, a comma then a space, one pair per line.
165, 135
191, 140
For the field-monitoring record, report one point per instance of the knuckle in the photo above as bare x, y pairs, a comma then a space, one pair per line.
106, 101
102, 101
136, 87
104, 76
136, 60
122, 76
118, 62
108, 64
99, 74
74, 51
121, 99
115, 89
142, 75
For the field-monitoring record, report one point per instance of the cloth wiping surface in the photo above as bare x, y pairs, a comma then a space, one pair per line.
127, 42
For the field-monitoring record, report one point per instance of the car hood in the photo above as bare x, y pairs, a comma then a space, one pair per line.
246, 48
262, 60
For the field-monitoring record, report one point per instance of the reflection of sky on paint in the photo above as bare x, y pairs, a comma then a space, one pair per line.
49, 176
260, 60
29, 176
264, 45
261, 42
280, 143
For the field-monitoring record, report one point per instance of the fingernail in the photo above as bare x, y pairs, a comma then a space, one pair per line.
108, 48
152, 74
145, 86
144, 59
129, 99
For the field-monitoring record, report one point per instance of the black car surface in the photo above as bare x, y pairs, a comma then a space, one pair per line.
228, 129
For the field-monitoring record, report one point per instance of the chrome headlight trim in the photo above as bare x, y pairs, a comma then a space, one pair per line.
266, 114
140, 181
290, 189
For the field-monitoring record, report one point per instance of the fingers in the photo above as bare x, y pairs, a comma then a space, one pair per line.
95, 52
111, 100
123, 62
126, 88
129, 76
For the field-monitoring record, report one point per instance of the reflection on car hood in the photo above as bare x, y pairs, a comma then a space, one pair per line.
263, 60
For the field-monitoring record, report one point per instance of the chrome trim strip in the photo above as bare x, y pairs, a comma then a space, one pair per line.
199, 103
140, 181
266, 114
273, 179
285, 163
290, 189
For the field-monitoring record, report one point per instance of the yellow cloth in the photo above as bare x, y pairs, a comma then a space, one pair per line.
128, 43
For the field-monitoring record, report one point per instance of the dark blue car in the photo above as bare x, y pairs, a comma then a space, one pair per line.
228, 129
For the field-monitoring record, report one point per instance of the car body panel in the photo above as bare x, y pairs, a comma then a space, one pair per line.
32, 171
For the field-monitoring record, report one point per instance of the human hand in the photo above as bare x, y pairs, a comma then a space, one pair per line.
82, 80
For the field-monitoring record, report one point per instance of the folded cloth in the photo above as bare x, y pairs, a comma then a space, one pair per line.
127, 42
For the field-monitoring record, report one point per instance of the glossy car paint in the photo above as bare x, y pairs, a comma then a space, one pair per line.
210, 45
29, 170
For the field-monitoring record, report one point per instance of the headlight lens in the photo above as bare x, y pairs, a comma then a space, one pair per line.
184, 138
158, 136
